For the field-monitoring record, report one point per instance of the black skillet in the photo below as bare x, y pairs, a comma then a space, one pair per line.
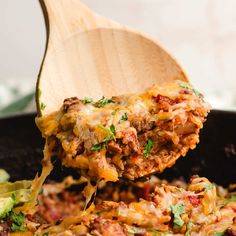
215, 157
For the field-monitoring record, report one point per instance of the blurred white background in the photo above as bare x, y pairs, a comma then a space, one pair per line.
200, 34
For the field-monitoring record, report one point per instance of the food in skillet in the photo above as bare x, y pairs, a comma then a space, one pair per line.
128, 136
150, 208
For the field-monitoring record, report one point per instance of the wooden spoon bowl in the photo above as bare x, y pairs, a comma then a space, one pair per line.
90, 56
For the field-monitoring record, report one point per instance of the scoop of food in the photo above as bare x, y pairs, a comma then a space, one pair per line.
127, 136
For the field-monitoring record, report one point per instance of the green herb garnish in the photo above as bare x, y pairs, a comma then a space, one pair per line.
177, 210
87, 100
223, 204
17, 228
98, 146
148, 147
17, 221
42, 106
41, 191
111, 134
219, 233
124, 117
208, 187
232, 198
121, 212
188, 227
113, 130
13, 196
135, 230
115, 111
164, 118
102, 102
190, 87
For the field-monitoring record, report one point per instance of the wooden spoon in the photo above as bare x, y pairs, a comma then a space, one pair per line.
88, 55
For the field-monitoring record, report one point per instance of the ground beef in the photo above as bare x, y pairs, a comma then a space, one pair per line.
143, 123
72, 104
114, 147
56, 206
4, 229
103, 227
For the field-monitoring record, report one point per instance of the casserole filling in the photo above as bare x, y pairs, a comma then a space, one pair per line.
150, 208
128, 136
121, 138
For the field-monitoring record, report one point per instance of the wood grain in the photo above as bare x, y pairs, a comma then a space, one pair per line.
89, 55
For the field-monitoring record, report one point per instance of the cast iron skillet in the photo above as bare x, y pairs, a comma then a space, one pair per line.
215, 157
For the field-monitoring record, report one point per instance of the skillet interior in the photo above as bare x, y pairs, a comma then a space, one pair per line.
215, 157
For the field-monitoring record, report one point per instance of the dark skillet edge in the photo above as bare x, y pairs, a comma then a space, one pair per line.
21, 147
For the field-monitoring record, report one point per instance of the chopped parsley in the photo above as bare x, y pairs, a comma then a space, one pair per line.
163, 118
148, 147
135, 230
223, 204
115, 111
41, 190
177, 210
219, 233
208, 187
87, 100
102, 102
18, 219
113, 130
188, 227
124, 117
17, 228
42, 106
111, 134
17, 222
190, 87
13, 196
121, 212
98, 146
232, 198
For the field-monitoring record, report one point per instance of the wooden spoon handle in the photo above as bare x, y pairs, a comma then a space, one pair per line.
68, 17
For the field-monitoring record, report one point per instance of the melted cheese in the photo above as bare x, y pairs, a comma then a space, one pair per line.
37, 184
82, 124
78, 126
155, 213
